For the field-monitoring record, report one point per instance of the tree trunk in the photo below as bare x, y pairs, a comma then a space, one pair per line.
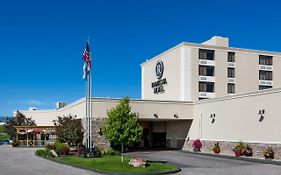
122, 150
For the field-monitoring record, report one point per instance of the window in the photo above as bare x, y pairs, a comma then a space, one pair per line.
230, 88
206, 87
231, 57
265, 75
265, 60
206, 70
231, 73
206, 54
264, 87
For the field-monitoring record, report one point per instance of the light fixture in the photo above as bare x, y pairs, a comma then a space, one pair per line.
155, 115
100, 132
176, 116
213, 116
261, 114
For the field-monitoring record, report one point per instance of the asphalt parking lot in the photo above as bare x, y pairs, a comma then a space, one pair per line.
195, 164
22, 161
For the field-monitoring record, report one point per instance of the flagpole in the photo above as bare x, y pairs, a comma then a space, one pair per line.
86, 114
87, 104
90, 101
90, 116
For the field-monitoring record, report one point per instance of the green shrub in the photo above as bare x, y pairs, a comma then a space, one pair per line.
60, 148
41, 152
15, 143
110, 151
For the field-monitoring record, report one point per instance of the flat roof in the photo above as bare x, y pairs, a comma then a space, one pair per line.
196, 45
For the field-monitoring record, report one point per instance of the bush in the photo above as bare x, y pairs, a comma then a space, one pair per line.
268, 153
65, 149
216, 148
59, 148
41, 152
247, 150
15, 143
110, 151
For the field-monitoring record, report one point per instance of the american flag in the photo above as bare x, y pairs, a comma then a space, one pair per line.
87, 60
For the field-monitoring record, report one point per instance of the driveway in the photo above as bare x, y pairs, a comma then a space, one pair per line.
195, 164
22, 161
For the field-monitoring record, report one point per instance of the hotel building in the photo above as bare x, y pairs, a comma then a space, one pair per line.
208, 91
211, 69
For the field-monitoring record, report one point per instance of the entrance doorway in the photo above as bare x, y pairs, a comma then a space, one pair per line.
159, 139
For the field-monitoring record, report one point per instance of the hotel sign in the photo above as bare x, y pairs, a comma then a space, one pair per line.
158, 86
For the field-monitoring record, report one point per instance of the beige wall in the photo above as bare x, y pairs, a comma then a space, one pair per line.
237, 118
276, 71
181, 69
221, 72
172, 72
41, 117
246, 72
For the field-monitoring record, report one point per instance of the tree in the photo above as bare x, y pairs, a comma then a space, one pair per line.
121, 125
18, 120
69, 130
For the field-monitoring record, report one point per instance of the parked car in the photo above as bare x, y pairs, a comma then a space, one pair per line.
5, 142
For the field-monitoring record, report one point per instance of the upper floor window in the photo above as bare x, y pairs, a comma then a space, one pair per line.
231, 57
206, 54
206, 70
265, 60
265, 75
206, 87
231, 88
230, 73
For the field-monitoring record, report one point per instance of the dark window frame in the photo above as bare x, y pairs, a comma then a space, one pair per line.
231, 57
206, 54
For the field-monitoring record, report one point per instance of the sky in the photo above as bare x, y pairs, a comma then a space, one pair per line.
41, 42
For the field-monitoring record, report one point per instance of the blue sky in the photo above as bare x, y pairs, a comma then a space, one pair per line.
41, 42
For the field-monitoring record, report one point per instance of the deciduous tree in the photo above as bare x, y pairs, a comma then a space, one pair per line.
18, 120
69, 130
121, 125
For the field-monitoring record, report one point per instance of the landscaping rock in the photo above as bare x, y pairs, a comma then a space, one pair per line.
137, 162
53, 153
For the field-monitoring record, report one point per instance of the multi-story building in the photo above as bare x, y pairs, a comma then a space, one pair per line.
208, 70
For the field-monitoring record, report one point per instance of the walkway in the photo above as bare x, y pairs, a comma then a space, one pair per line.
22, 161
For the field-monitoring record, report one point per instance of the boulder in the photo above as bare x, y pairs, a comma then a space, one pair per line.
137, 162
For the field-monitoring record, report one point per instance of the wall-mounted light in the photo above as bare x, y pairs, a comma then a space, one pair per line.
155, 115
176, 116
213, 116
261, 114
100, 132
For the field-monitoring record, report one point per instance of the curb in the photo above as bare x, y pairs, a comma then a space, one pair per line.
234, 158
111, 173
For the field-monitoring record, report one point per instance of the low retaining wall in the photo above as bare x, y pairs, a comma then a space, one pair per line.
226, 148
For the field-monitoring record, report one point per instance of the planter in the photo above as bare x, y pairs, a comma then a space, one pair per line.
238, 153
196, 150
268, 157
217, 151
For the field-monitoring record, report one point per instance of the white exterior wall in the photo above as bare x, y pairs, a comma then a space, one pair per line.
172, 72
236, 118
42, 117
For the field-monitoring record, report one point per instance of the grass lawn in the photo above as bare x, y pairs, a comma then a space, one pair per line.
114, 164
